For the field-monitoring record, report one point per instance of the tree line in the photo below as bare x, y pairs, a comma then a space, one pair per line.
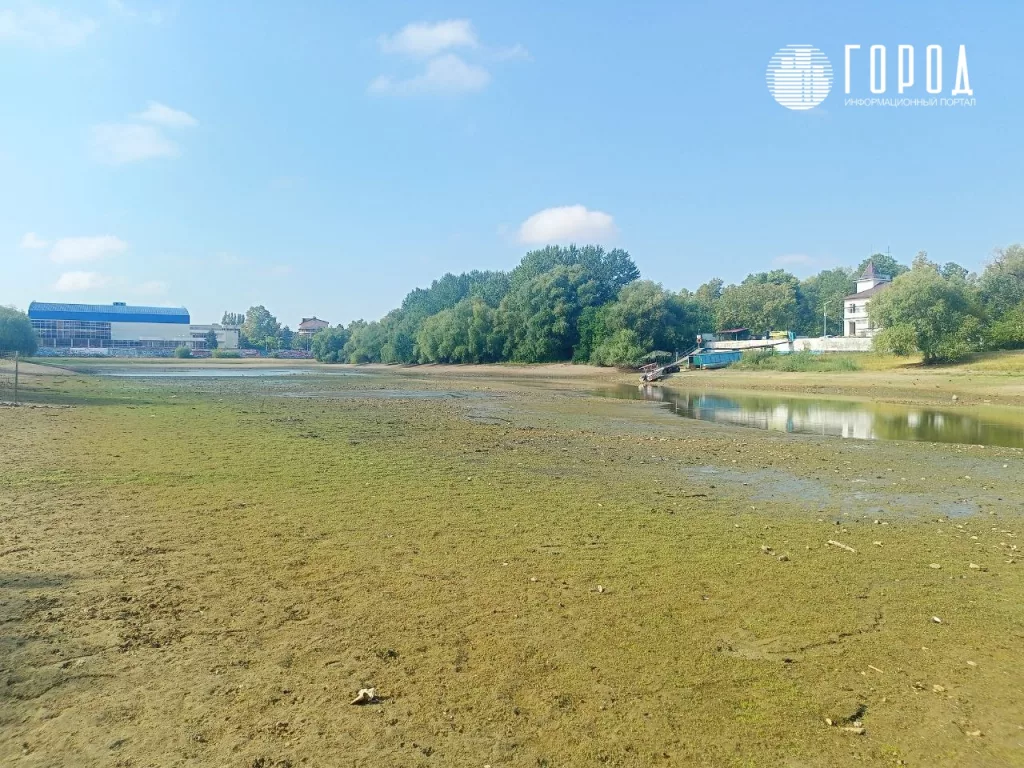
588, 305
259, 329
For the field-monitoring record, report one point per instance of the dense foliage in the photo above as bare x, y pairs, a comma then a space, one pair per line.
923, 309
16, 333
589, 305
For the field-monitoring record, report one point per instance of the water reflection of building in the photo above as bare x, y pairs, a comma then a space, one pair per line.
862, 421
784, 416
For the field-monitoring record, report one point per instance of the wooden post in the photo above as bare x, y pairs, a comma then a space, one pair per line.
15, 378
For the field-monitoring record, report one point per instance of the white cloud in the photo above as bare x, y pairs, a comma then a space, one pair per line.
794, 260
44, 27
80, 281
31, 241
161, 114
445, 74
511, 53
568, 223
122, 9
71, 250
425, 39
120, 143
445, 71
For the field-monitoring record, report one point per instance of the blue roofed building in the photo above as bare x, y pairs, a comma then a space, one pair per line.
110, 328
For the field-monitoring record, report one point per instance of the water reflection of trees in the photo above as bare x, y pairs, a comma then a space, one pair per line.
835, 417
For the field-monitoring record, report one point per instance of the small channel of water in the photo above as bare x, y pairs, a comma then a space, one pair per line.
837, 418
161, 372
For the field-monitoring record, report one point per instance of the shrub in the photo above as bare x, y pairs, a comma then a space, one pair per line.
225, 353
766, 359
182, 352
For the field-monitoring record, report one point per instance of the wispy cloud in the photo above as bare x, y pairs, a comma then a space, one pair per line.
511, 53
32, 242
445, 70
568, 223
125, 11
161, 114
422, 38
445, 74
75, 250
36, 25
120, 143
72, 282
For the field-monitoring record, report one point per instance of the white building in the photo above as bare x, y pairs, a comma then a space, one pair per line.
855, 307
112, 329
227, 335
109, 328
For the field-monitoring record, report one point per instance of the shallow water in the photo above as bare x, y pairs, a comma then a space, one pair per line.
837, 418
154, 372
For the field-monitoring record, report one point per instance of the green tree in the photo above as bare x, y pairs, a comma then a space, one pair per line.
464, 333
884, 265
824, 294
645, 318
211, 339
539, 317
233, 319
759, 306
1007, 330
260, 324
953, 271
1002, 283
328, 345
939, 314
365, 342
17, 336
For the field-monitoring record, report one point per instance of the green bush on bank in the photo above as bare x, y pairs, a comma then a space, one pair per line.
766, 359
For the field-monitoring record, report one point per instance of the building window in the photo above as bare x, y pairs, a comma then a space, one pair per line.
853, 309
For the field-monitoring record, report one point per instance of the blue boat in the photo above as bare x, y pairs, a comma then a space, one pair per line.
718, 358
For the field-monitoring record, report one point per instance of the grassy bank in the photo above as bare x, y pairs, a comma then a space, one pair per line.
205, 573
768, 360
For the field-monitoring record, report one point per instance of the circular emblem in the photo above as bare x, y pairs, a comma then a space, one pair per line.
799, 77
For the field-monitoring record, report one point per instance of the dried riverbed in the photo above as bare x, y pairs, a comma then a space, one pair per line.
205, 572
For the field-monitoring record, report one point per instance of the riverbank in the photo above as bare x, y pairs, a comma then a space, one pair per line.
992, 379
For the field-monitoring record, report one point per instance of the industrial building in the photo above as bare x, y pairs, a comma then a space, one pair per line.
120, 329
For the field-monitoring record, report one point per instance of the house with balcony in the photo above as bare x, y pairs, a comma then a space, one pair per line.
855, 307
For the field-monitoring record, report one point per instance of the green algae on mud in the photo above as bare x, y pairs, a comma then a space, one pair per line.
205, 572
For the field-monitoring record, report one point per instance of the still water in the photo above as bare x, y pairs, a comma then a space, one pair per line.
163, 372
838, 418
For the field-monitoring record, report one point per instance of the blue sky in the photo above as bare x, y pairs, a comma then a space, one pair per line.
325, 158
